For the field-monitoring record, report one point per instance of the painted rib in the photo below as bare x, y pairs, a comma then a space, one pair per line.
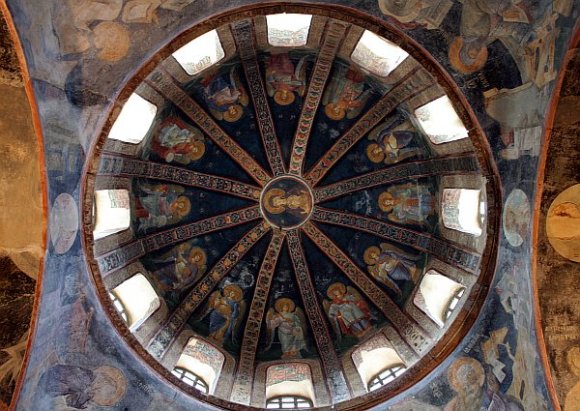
246, 42
164, 84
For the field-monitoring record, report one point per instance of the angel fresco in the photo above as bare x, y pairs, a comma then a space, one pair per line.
177, 142
407, 203
284, 81
389, 264
347, 311
159, 205
181, 267
289, 321
225, 310
345, 95
392, 147
225, 96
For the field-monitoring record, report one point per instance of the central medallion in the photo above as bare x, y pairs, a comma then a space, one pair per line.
286, 202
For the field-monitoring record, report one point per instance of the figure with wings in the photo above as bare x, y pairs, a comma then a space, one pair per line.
283, 81
181, 267
159, 205
407, 203
225, 311
289, 321
177, 142
347, 311
389, 264
345, 95
392, 146
225, 96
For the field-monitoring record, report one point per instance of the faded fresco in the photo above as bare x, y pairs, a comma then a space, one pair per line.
504, 56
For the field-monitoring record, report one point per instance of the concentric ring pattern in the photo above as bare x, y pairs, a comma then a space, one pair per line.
298, 213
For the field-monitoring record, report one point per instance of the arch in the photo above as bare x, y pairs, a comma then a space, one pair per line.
437, 295
463, 210
135, 300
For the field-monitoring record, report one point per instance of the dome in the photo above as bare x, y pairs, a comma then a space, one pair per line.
291, 208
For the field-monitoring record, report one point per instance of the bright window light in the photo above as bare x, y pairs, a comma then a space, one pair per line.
462, 210
288, 30
113, 213
440, 121
204, 361
138, 298
200, 53
378, 55
439, 294
134, 121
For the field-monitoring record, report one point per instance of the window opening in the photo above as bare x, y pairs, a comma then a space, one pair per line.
462, 210
436, 294
385, 377
440, 122
138, 298
288, 30
288, 403
453, 303
191, 379
113, 212
134, 121
119, 306
377, 55
200, 53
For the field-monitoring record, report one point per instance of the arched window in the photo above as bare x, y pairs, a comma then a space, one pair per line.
440, 122
291, 402
200, 53
377, 55
203, 361
377, 362
463, 210
137, 299
289, 386
288, 30
112, 212
438, 296
134, 121
191, 379
385, 377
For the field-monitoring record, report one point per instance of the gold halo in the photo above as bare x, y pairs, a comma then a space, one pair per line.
284, 98
573, 357
332, 113
238, 293
385, 196
112, 40
236, 115
333, 287
197, 150
459, 382
115, 376
184, 206
455, 57
281, 302
197, 251
373, 155
368, 258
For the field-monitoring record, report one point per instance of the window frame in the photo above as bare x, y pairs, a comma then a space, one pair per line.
190, 378
295, 398
380, 380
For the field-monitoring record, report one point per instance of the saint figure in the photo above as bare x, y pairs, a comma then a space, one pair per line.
407, 203
225, 311
347, 311
289, 321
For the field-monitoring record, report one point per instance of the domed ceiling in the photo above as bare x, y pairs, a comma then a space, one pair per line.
291, 190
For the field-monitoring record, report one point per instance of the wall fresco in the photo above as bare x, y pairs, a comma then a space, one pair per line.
79, 55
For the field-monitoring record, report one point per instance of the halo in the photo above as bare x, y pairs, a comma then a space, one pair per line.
234, 115
334, 112
456, 61
333, 287
116, 377
197, 150
284, 97
282, 302
197, 251
368, 258
238, 293
386, 195
460, 377
183, 201
573, 357
373, 155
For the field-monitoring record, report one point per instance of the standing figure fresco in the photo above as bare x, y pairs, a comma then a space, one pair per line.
159, 205
181, 267
81, 387
392, 146
225, 310
225, 95
177, 142
347, 311
345, 95
407, 203
289, 321
284, 81
389, 264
